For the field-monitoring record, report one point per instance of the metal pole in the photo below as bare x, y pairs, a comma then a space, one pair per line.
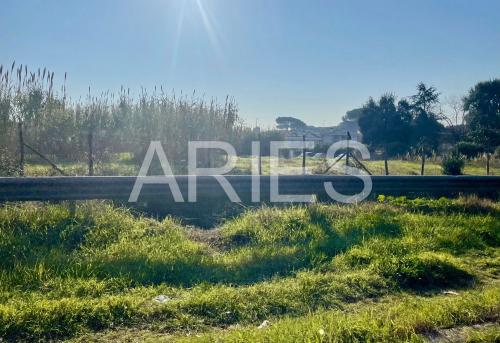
347, 156
304, 155
260, 155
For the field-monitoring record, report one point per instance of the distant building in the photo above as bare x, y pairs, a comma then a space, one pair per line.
308, 135
323, 135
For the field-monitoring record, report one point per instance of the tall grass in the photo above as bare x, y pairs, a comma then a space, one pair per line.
92, 129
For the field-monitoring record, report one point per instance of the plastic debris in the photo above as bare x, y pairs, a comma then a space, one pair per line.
162, 299
264, 324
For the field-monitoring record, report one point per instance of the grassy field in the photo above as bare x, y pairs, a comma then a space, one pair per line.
396, 167
122, 164
392, 270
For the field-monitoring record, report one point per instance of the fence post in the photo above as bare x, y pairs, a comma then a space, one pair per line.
21, 148
304, 155
260, 154
90, 143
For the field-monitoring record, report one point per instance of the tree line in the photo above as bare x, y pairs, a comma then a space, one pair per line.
414, 125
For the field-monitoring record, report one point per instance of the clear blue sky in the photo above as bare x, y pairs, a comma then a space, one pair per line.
311, 59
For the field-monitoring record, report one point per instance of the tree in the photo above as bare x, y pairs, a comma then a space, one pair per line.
290, 123
425, 125
426, 97
385, 126
456, 118
482, 105
352, 115
469, 150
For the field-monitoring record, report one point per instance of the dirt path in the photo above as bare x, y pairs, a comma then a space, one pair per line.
210, 237
460, 334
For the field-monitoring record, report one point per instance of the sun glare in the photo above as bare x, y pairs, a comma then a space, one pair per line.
209, 27
195, 9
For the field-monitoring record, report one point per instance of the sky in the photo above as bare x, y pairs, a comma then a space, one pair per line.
312, 59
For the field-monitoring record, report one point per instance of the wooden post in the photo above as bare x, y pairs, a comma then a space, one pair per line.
260, 155
422, 166
347, 153
385, 161
21, 148
90, 141
488, 156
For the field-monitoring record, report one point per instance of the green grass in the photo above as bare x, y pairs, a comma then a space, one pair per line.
119, 164
373, 271
408, 318
122, 164
396, 167
490, 333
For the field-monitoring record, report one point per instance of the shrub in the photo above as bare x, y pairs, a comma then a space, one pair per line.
453, 165
469, 150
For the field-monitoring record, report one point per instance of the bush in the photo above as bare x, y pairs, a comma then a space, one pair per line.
452, 165
469, 150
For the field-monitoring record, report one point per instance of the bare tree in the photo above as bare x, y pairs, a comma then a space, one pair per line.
453, 116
